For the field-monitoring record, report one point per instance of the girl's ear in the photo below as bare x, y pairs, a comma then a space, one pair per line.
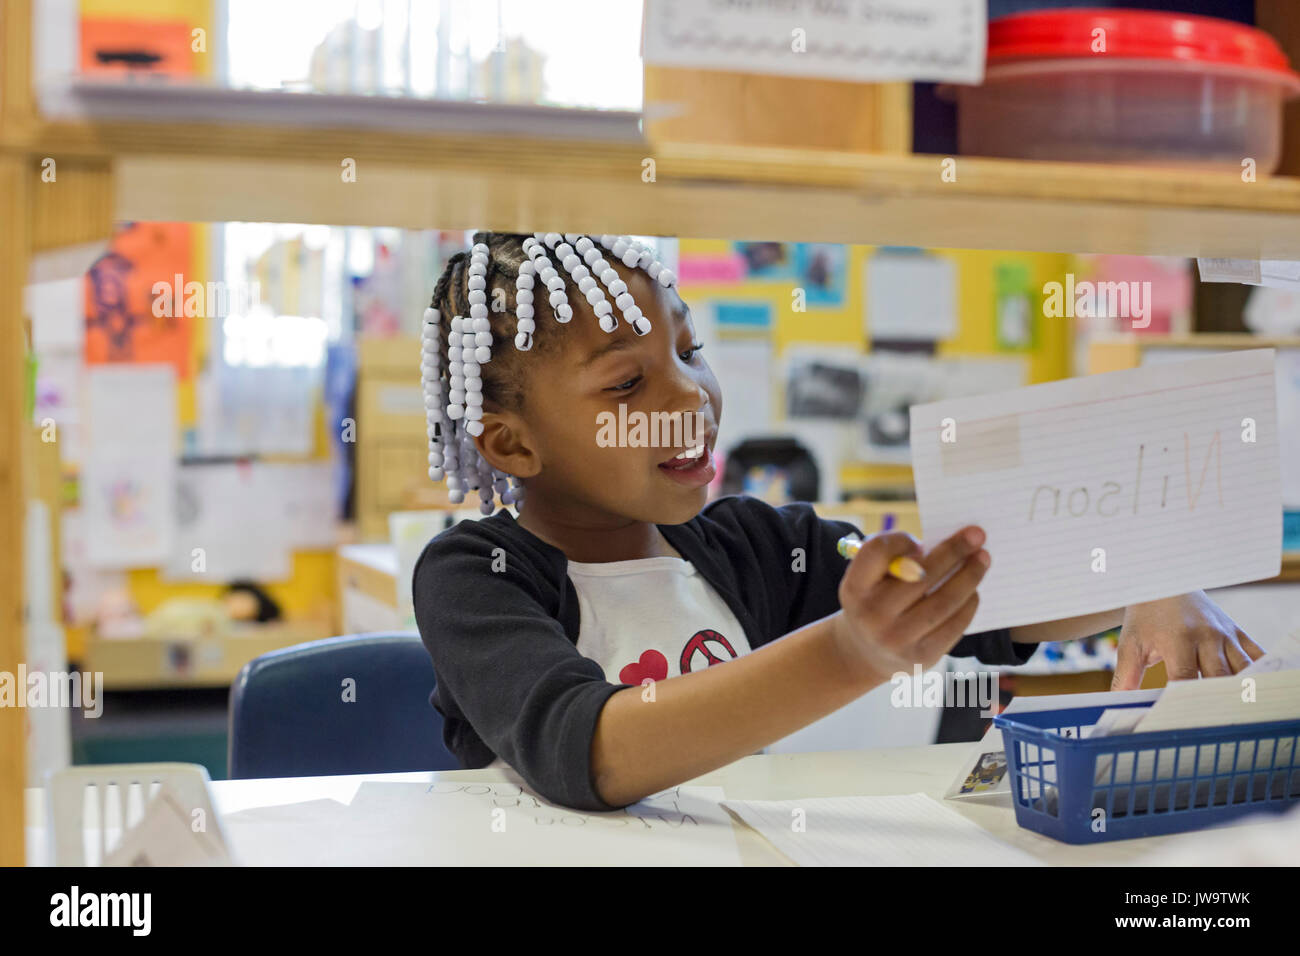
507, 444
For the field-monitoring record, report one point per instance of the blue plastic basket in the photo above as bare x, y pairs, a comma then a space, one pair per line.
1080, 790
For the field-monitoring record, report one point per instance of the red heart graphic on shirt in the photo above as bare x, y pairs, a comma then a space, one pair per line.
652, 664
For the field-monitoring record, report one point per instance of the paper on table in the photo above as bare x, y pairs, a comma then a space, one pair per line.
903, 830
1108, 490
501, 823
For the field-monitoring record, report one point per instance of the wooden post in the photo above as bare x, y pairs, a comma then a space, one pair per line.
15, 184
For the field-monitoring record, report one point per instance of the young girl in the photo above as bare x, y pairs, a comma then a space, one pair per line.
575, 642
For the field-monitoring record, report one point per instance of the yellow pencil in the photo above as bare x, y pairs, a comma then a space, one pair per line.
905, 569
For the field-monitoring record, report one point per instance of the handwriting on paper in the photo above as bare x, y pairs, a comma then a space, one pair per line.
661, 811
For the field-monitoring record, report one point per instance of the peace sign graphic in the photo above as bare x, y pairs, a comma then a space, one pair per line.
708, 643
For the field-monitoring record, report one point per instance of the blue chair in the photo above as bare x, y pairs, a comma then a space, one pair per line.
289, 718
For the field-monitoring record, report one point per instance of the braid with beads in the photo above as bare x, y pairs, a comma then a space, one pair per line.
464, 358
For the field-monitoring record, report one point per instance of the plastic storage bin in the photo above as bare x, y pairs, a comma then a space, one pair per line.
1128, 86
1144, 784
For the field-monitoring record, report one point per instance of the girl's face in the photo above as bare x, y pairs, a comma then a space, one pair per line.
585, 462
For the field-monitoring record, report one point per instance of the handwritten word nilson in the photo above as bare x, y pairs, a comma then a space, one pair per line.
1112, 500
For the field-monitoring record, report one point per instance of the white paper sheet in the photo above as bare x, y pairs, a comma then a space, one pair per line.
882, 40
128, 482
230, 524
1108, 490
911, 296
485, 824
903, 830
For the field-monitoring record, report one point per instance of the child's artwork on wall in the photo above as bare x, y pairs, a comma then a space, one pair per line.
822, 384
768, 260
230, 524
895, 381
128, 481
911, 295
126, 321
116, 46
742, 317
821, 268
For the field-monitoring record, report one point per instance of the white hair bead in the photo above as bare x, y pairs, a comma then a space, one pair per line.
608, 275
571, 262
524, 296
524, 310
586, 284
602, 307
624, 301
551, 239
558, 297
641, 325
591, 255
477, 282
619, 247
631, 256
666, 278
454, 411
555, 283
645, 259
457, 397
435, 474
480, 247
526, 268
477, 312
632, 313
582, 245
617, 287
525, 325
483, 354
457, 381
608, 241
654, 269
608, 323
599, 266
594, 295
477, 296
580, 272
481, 324
563, 312
474, 399
455, 497
474, 385
525, 280
483, 338
523, 341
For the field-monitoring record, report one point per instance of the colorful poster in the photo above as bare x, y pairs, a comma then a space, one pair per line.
125, 320
768, 260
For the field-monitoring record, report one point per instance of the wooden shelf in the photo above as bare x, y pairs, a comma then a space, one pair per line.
213, 172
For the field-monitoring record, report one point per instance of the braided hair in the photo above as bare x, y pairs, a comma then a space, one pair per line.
484, 300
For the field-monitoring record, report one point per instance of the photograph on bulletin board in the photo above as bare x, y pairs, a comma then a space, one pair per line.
821, 272
768, 260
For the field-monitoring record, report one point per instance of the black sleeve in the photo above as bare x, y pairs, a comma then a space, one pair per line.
510, 668
817, 592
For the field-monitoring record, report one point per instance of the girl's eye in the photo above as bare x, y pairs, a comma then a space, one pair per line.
625, 386
690, 352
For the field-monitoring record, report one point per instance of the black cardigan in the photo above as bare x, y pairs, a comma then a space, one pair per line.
500, 619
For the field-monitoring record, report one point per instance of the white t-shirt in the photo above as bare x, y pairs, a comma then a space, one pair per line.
651, 617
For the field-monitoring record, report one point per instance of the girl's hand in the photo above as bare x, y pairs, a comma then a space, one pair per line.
885, 625
1190, 633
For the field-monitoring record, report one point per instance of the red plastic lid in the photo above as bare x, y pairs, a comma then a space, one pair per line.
1134, 34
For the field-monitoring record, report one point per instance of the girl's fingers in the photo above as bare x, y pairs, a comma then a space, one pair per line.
934, 609
1212, 660
943, 638
894, 596
871, 564
1238, 659
1249, 646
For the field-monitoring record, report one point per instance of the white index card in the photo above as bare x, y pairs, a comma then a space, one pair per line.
1108, 490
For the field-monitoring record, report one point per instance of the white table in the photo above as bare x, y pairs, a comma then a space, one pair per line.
929, 770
